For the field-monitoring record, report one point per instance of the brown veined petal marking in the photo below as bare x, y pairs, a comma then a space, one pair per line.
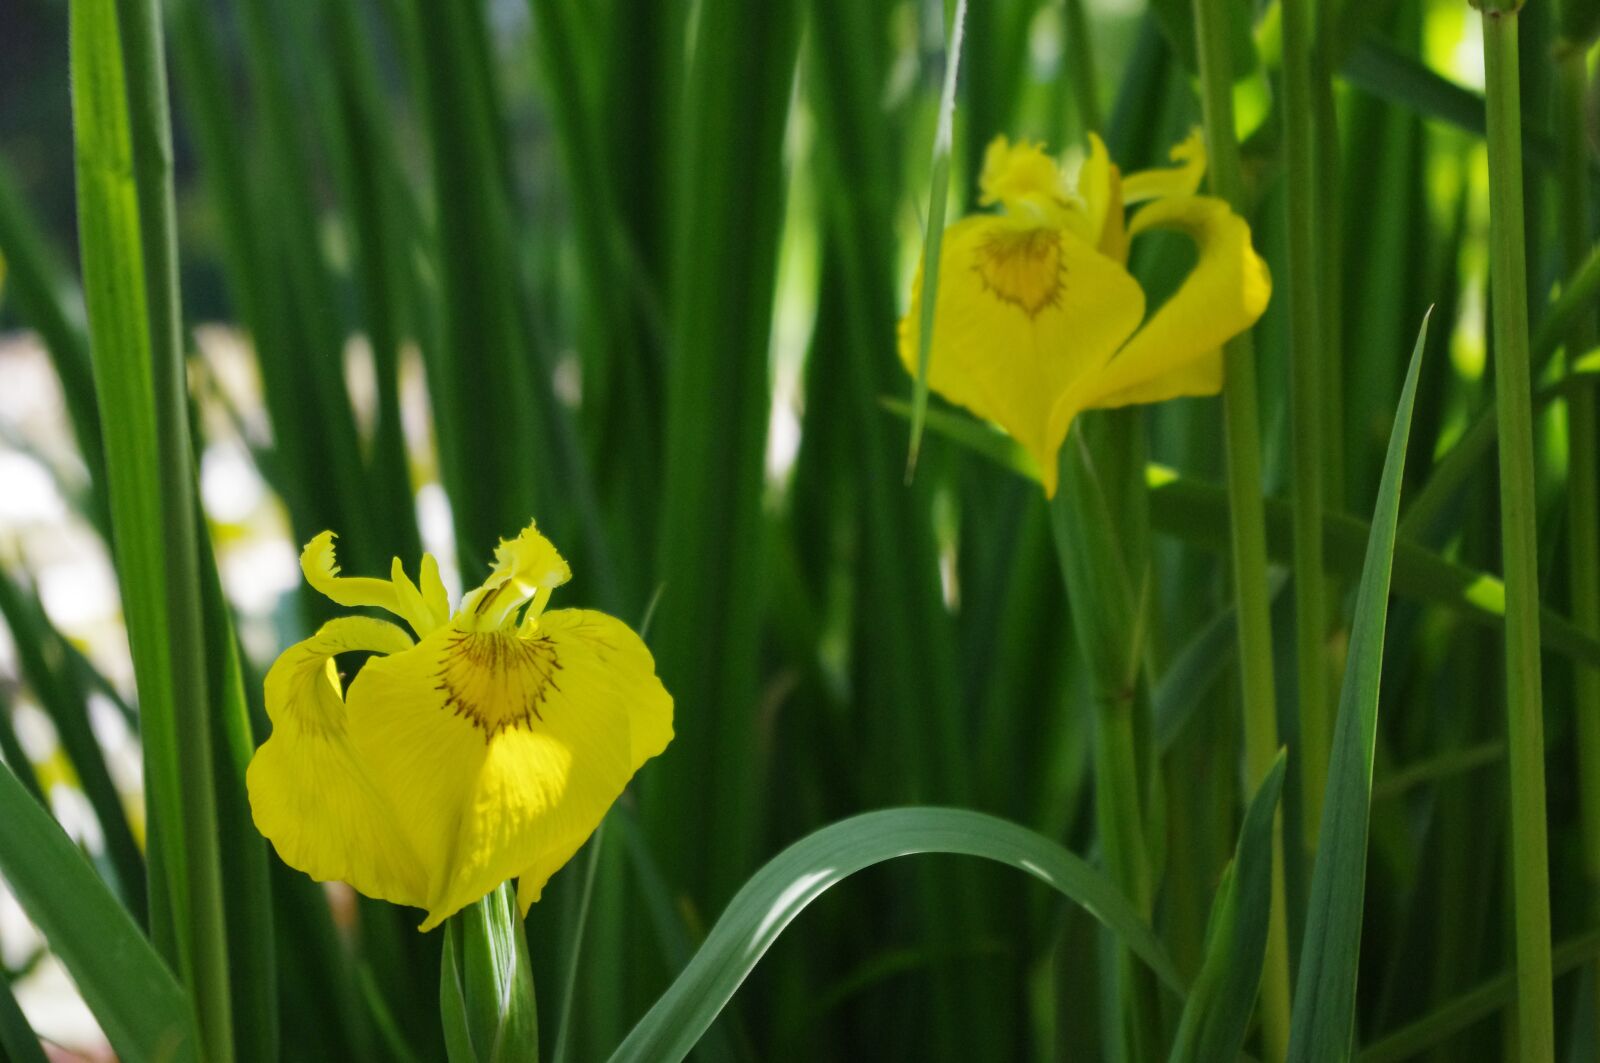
1024, 311
500, 751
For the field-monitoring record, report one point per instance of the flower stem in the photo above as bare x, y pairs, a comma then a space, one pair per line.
486, 993
1583, 476
1248, 524
1098, 520
1519, 535
1306, 380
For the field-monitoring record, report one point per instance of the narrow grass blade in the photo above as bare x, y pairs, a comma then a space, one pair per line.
44, 662
933, 231
129, 249
1464, 1011
479, 376
48, 301
252, 959
1193, 670
1392, 75
14, 755
1457, 467
984, 439
574, 950
777, 893
728, 189
144, 1013
1324, 1016
1197, 512
18, 1042
1216, 1016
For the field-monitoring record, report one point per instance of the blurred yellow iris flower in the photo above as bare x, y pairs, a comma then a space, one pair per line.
488, 749
1038, 317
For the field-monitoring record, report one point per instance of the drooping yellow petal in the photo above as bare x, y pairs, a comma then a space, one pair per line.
501, 752
1023, 314
525, 568
397, 594
1181, 180
321, 569
309, 794
1177, 352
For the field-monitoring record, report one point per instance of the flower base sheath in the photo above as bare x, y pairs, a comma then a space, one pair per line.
488, 749
1038, 317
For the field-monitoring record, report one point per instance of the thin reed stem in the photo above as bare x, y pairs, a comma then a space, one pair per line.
1097, 518
1248, 526
1080, 66
1520, 543
1306, 382
1583, 475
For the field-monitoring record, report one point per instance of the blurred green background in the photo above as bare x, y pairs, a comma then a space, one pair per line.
633, 267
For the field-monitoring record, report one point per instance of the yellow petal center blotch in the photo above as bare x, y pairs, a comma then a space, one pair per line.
1023, 267
496, 679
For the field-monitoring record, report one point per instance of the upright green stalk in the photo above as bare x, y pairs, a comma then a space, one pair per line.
1080, 66
1583, 475
124, 162
1248, 525
486, 996
1330, 287
1306, 382
1519, 536
1097, 535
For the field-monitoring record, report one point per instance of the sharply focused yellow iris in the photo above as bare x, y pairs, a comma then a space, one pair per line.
1038, 317
488, 749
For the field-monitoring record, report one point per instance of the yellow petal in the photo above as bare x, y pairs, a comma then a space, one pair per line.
526, 567
308, 792
1113, 239
433, 593
1176, 352
1023, 314
1096, 187
501, 752
1182, 180
1022, 177
321, 570
423, 614
396, 595
1203, 376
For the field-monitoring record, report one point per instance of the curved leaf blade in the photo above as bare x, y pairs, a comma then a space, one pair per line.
1324, 1016
778, 893
144, 1013
1216, 1016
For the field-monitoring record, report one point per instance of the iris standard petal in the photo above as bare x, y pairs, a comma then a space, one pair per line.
1177, 352
526, 568
1023, 314
501, 751
1181, 180
308, 792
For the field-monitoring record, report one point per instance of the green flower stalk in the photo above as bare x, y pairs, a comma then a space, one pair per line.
1519, 534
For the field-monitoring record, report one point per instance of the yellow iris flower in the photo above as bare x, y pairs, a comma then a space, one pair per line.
490, 748
1038, 317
